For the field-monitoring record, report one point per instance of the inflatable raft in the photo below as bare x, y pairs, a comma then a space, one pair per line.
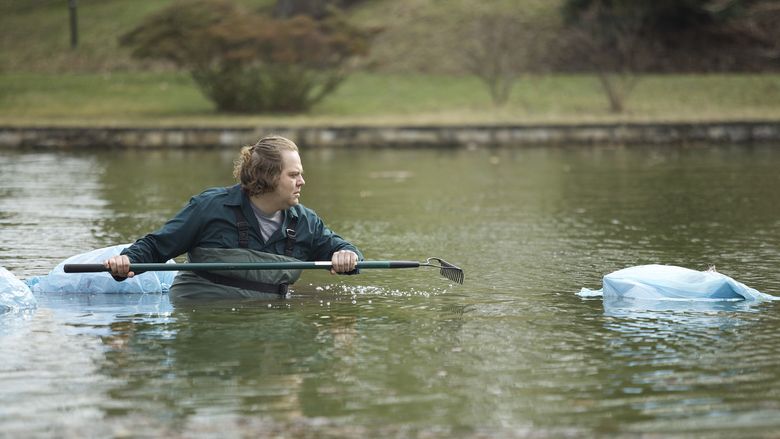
57, 281
16, 294
671, 283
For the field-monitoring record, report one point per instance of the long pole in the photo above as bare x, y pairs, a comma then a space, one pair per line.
215, 266
446, 269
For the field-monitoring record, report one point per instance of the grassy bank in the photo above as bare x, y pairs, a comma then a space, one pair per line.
171, 98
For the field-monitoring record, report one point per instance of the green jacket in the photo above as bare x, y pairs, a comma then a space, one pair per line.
208, 221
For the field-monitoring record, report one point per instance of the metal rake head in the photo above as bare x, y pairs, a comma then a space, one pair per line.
447, 270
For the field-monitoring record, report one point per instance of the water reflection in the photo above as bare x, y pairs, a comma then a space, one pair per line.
632, 308
48, 202
47, 370
673, 360
102, 309
270, 358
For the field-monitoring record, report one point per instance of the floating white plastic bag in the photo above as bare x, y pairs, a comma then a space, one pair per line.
14, 294
57, 281
667, 282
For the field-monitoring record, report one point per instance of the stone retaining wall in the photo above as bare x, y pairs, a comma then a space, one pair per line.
408, 136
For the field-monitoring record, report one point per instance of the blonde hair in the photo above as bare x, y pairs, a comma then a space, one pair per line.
259, 166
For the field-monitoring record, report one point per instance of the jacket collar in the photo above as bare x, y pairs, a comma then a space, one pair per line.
237, 197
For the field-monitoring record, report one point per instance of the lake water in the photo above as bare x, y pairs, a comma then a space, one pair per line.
513, 352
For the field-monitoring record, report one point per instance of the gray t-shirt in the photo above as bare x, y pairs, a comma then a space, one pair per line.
268, 223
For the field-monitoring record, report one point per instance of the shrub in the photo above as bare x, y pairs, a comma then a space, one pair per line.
247, 62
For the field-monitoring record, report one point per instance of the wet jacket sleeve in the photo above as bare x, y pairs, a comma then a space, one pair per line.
325, 242
174, 238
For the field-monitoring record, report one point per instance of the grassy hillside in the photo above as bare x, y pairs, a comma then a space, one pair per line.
417, 35
429, 36
35, 35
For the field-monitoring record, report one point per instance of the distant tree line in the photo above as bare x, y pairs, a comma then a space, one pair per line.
685, 35
290, 56
619, 39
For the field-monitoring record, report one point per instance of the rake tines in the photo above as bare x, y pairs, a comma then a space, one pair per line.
447, 270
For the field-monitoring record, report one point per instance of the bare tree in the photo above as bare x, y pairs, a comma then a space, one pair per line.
610, 43
761, 25
500, 44
492, 55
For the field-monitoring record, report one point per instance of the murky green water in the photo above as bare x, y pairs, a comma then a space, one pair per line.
403, 353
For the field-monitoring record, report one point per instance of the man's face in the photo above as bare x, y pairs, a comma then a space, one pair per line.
288, 191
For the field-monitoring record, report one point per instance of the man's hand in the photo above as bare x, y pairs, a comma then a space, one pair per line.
343, 261
119, 266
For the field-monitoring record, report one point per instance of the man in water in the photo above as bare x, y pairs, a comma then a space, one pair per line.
258, 220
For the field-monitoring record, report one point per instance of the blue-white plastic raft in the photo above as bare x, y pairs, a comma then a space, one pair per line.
57, 281
16, 294
671, 283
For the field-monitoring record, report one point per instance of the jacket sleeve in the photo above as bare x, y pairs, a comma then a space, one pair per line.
177, 236
325, 242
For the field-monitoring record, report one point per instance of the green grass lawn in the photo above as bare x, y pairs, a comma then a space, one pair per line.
172, 98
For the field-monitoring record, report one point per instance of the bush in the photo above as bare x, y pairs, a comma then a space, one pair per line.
247, 62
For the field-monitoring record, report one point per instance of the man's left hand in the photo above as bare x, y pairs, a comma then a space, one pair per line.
343, 261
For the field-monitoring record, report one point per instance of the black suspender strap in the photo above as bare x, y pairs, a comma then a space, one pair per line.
243, 231
290, 243
243, 227
243, 242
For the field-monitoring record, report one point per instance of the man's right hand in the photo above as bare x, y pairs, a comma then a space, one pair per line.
119, 266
